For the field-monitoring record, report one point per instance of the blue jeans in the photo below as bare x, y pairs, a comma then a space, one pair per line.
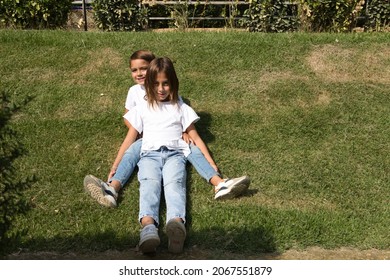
128, 163
132, 156
169, 167
202, 166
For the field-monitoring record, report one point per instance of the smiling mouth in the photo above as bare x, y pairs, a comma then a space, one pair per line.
162, 96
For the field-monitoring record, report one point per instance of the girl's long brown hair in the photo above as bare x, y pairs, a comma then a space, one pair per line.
161, 65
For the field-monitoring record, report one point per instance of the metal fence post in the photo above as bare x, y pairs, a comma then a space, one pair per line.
85, 16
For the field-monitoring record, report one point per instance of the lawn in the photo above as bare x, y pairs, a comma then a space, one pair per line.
306, 116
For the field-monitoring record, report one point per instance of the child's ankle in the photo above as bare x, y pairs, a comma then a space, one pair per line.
115, 185
216, 181
110, 190
219, 185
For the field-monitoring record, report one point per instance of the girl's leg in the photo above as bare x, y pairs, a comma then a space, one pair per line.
149, 176
174, 177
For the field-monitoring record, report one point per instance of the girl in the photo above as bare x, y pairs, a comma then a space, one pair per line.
106, 193
162, 120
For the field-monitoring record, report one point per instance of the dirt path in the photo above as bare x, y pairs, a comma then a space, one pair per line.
314, 253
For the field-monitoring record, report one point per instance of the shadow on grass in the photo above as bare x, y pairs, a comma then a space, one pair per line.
230, 244
202, 126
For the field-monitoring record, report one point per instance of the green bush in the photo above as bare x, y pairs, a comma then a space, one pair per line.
329, 15
34, 14
313, 15
271, 16
12, 201
378, 15
119, 15
195, 14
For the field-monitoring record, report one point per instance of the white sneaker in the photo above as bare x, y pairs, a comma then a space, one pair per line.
232, 188
149, 239
176, 232
100, 191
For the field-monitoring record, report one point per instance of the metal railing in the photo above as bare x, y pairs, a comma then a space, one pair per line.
83, 4
231, 4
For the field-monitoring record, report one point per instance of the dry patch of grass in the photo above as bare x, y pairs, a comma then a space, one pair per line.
258, 82
249, 91
324, 98
97, 62
336, 64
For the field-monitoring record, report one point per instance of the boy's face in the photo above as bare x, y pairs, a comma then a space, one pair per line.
162, 87
138, 69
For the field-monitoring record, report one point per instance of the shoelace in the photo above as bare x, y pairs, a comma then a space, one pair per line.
223, 187
109, 193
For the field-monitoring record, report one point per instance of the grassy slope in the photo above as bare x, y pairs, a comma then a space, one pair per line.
305, 115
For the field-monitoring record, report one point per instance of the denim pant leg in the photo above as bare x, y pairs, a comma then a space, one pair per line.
174, 178
150, 176
201, 164
128, 163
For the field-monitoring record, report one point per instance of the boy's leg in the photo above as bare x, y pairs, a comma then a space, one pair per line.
107, 194
174, 177
202, 166
149, 176
232, 188
224, 189
127, 165
94, 187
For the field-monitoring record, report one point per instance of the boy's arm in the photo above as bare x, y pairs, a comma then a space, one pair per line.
191, 130
131, 136
127, 123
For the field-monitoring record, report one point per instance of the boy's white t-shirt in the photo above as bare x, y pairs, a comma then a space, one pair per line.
135, 96
161, 125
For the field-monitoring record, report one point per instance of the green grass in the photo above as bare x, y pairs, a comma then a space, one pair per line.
306, 116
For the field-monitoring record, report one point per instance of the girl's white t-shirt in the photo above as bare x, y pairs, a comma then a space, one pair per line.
161, 125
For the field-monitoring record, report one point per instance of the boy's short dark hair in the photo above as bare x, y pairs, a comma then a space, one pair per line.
142, 54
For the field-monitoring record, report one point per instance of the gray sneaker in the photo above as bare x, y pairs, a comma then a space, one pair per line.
232, 188
176, 232
99, 191
149, 239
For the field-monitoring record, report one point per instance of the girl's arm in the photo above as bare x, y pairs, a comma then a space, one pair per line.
131, 136
191, 130
187, 138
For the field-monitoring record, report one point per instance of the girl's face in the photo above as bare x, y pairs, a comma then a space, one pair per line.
162, 87
138, 69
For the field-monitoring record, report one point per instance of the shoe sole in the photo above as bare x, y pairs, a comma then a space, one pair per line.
93, 186
176, 232
236, 190
149, 245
